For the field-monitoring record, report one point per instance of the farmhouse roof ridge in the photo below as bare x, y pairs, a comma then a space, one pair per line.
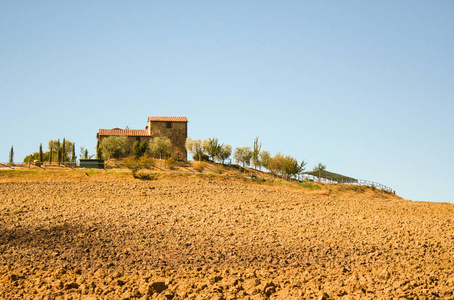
125, 132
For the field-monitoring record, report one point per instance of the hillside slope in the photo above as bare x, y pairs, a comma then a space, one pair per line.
214, 238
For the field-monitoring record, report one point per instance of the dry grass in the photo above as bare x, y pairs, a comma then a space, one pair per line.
207, 171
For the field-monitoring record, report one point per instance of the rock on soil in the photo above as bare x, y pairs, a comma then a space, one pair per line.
202, 239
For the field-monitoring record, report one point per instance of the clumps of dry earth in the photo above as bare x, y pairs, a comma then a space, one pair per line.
195, 238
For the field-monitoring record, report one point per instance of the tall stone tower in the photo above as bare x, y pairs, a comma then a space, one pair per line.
173, 128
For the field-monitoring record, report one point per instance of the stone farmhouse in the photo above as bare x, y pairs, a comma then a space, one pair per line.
174, 128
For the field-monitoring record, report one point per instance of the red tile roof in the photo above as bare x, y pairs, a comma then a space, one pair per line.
125, 132
167, 119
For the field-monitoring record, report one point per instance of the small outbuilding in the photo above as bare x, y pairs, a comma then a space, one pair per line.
92, 163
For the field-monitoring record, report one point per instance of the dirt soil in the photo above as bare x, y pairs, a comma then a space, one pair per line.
190, 238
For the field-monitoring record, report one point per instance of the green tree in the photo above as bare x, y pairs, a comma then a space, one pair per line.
256, 153
31, 157
40, 153
319, 168
243, 155
291, 167
284, 165
35, 156
55, 145
98, 151
159, 146
135, 148
303, 164
63, 150
224, 153
86, 154
58, 151
51, 153
139, 148
275, 164
11, 155
114, 147
211, 147
143, 147
73, 157
194, 146
264, 158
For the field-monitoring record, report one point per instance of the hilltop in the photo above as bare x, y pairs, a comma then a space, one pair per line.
104, 235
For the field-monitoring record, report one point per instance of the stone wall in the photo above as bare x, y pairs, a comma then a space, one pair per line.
177, 135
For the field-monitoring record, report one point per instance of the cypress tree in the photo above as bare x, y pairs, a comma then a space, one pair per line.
136, 149
40, 153
11, 155
63, 151
58, 155
86, 154
74, 153
50, 155
98, 151
58, 151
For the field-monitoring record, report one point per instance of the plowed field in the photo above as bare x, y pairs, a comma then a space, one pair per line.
192, 238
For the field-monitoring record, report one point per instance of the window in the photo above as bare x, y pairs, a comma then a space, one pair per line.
169, 125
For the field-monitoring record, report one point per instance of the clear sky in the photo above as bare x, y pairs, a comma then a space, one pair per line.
365, 87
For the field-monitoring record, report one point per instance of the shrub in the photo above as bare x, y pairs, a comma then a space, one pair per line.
147, 162
202, 157
220, 169
132, 163
135, 164
171, 163
258, 179
308, 185
150, 176
200, 167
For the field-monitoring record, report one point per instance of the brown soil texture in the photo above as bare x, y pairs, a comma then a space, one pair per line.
187, 238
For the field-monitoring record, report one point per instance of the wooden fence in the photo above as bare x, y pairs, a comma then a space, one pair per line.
349, 182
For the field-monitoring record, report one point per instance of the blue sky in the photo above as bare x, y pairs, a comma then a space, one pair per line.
363, 87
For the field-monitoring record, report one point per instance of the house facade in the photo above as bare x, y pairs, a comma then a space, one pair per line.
173, 128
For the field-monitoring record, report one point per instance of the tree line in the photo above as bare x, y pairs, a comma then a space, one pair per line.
111, 147
211, 149
206, 150
119, 147
161, 147
58, 152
